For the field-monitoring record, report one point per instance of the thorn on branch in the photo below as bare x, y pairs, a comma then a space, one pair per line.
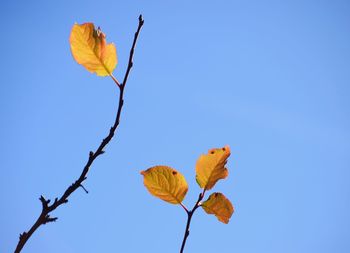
91, 154
82, 186
49, 219
53, 219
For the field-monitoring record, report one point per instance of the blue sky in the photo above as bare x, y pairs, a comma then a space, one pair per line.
269, 78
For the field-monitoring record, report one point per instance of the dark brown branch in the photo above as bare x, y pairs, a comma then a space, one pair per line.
44, 216
189, 218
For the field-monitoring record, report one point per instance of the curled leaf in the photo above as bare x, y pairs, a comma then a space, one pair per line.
218, 205
90, 49
165, 183
211, 167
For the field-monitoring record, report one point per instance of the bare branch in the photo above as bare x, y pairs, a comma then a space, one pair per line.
44, 216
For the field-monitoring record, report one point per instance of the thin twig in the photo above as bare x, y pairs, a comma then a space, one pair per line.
189, 218
44, 216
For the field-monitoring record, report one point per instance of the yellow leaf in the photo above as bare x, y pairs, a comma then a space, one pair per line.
90, 49
211, 167
165, 183
218, 205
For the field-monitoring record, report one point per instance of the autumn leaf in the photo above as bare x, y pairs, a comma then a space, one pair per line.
218, 205
211, 167
165, 183
90, 49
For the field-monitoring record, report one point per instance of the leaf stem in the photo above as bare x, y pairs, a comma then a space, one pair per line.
184, 207
115, 80
44, 216
189, 218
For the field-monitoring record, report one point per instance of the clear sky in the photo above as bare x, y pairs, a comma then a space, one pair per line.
269, 78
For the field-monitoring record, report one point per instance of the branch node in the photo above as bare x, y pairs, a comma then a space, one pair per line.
44, 202
91, 154
22, 235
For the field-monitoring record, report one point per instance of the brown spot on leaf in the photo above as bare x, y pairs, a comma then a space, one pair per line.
174, 172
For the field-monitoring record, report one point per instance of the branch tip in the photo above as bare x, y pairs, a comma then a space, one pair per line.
141, 19
44, 202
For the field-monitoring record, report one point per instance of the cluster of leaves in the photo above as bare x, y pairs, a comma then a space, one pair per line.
170, 185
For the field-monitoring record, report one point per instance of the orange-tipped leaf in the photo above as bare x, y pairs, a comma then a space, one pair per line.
211, 167
220, 206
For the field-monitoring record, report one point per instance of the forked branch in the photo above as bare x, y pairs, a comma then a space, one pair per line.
189, 218
47, 208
